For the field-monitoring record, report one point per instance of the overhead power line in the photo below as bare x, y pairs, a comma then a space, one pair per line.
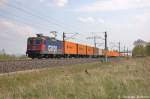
37, 16
22, 21
94, 38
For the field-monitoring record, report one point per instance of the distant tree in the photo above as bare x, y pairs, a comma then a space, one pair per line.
148, 49
139, 51
139, 42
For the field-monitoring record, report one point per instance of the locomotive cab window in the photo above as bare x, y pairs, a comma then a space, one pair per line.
30, 41
37, 41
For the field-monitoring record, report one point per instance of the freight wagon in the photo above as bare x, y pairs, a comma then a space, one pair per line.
70, 49
81, 50
47, 47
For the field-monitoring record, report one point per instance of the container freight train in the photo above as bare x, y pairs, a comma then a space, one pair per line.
47, 47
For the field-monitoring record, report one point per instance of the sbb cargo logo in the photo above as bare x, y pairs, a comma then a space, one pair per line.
52, 49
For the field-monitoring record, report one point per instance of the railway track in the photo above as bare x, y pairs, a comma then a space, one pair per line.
21, 65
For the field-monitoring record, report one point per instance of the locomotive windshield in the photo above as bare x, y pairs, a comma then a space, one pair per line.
36, 41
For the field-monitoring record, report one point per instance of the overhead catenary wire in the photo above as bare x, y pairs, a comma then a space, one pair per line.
43, 18
30, 14
37, 16
22, 21
53, 19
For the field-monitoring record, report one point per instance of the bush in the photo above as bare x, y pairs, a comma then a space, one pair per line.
139, 51
148, 49
7, 57
12, 57
23, 57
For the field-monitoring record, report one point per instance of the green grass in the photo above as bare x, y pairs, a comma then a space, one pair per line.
12, 57
103, 81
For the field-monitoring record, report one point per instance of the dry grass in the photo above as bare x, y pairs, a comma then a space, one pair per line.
4, 57
99, 81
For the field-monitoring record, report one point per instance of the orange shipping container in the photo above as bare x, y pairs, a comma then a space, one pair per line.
70, 48
89, 50
117, 53
111, 53
108, 53
81, 49
95, 51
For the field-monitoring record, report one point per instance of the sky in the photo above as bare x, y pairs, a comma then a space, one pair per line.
124, 20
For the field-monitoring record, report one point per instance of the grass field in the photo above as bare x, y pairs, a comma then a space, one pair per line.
4, 57
121, 79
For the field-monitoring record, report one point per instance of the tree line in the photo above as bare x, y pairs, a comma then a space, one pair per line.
141, 50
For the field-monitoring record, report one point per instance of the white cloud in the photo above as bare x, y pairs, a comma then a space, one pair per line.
142, 23
143, 19
21, 30
91, 20
86, 19
128, 31
109, 5
101, 20
13, 36
59, 3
